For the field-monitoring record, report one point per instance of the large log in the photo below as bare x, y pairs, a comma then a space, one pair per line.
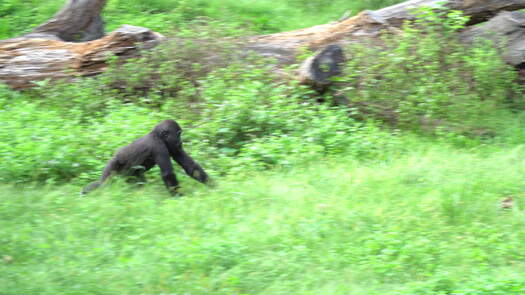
71, 44
507, 32
26, 60
368, 24
48, 52
478, 10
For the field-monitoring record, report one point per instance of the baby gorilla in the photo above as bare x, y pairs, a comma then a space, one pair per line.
155, 148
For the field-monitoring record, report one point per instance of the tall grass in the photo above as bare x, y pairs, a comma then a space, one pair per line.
311, 198
425, 223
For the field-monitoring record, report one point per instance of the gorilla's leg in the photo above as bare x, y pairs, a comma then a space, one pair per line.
136, 176
111, 167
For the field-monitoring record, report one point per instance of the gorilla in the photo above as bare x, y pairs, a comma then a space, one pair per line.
155, 148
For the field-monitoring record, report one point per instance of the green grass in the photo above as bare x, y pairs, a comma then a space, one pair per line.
311, 199
425, 223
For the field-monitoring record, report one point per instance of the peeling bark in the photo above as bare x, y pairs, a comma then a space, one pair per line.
25, 60
71, 44
368, 24
478, 10
507, 31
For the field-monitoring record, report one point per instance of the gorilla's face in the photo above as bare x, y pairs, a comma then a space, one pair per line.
170, 133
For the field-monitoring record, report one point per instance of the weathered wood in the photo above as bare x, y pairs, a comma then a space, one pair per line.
43, 53
77, 21
478, 10
367, 24
285, 46
507, 31
25, 60
51, 51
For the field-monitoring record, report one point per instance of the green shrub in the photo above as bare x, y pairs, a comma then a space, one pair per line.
425, 78
238, 115
248, 118
243, 119
39, 143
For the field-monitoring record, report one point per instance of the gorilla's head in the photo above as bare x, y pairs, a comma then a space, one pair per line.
169, 132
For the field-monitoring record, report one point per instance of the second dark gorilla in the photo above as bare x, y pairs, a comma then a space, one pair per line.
155, 148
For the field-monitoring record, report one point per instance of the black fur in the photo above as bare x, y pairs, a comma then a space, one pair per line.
155, 148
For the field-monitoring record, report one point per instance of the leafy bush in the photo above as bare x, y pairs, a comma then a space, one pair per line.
238, 124
167, 75
238, 115
248, 115
425, 78
42, 143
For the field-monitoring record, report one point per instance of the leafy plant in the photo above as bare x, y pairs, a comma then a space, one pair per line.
426, 79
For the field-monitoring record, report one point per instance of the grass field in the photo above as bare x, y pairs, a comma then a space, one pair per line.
401, 196
425, 223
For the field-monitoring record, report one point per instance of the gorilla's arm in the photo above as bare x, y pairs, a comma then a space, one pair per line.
162, 158
190, 166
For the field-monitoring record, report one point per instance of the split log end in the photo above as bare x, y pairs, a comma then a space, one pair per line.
318, 69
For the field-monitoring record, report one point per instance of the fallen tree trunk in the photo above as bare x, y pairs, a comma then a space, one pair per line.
478, 10
26, 60
368, 24
507, 32
71, 44
49, 51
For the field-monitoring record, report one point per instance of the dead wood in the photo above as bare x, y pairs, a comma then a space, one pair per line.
72, 43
